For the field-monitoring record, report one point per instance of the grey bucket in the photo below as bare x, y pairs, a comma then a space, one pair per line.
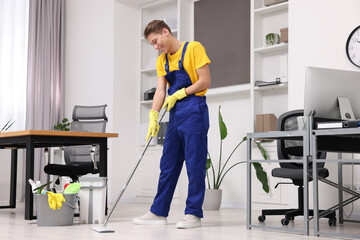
59, 217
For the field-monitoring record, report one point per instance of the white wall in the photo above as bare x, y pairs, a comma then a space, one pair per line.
235, 110
102, 63
89, 57
317, 37
125, 92
89, 54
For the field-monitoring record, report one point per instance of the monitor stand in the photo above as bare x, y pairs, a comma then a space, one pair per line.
346, 111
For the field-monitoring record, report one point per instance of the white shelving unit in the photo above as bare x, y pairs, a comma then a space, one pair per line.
265, 66
265, 60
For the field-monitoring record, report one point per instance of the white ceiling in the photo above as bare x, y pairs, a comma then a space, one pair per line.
136, 2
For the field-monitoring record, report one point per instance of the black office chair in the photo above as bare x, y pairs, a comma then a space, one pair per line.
81, 160
293, 149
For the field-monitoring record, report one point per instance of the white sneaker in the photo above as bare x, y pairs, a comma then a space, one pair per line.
189, 221
150, 219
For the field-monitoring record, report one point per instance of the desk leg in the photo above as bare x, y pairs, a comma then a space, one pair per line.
29, 215
13, 178
316, 190
103, 159
103, 166
306, 194
340, 182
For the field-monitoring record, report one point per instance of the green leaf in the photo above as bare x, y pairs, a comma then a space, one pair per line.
222, 126
262, 150
261, 176
208, 163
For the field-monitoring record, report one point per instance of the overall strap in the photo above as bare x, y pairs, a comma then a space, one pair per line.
167, 64
181, 67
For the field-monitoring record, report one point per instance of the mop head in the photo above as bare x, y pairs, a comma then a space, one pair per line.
102, 229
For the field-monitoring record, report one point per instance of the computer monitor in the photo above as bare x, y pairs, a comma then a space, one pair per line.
322, 88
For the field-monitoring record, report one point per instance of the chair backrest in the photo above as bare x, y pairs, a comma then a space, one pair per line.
292, 149
85, 119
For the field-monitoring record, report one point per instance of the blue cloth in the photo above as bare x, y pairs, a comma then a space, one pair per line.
186, 139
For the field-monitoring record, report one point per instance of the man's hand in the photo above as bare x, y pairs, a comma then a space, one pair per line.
153, 124
171, 100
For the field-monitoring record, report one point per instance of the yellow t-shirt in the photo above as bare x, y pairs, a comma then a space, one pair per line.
195, 58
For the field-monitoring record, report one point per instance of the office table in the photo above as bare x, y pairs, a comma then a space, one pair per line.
31, 139
289, 135
343, 140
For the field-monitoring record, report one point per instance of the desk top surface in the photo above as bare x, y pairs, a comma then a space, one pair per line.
56, 133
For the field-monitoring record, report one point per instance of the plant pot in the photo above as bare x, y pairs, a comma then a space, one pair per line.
212, 200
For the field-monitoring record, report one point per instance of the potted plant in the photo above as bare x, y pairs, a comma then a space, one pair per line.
272, 39
213, 194
63, 126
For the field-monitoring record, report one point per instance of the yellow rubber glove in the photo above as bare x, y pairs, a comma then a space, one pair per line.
171, 100
153, 124
55, 200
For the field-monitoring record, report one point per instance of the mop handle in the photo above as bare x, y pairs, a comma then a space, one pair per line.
132, 172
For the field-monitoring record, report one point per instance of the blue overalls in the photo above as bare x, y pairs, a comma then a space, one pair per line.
185, 139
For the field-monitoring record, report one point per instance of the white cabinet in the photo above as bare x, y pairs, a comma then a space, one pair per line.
149, 171
268, 62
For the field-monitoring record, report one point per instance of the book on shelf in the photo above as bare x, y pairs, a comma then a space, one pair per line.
337, 124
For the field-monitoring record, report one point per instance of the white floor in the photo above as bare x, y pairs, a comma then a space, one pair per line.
224, 224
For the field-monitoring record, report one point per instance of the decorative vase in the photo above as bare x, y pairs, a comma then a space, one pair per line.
212, 200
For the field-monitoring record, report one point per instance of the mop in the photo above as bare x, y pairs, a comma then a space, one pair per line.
103, 228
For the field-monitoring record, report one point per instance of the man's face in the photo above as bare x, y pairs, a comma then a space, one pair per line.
160, 41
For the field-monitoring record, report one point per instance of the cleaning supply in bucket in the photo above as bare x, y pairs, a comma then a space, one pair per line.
55, 199
72, 188
37, 187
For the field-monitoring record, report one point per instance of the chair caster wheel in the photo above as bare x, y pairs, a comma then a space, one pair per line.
284, 222
332, 222
261, 218
292, 218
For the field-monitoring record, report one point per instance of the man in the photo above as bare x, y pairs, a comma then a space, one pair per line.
183, 66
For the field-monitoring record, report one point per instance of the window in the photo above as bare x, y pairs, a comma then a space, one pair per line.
14, 15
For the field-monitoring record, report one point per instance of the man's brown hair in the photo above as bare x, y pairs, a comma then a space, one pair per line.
155, 26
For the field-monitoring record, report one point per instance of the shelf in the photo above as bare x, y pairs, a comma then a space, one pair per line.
272, 87
273, 48
146, 102
223, 91
273, 8
150, 70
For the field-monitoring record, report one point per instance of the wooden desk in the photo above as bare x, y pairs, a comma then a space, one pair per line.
31, 139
